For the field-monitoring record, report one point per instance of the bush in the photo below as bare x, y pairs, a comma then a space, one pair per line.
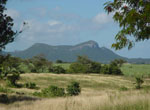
52, 91
73, 89
113, 68
12, 78
77, 68
31, 85
139, 82
57, 69
5, 90
59, 61
92, 67
23, 68
105, 69
123, 88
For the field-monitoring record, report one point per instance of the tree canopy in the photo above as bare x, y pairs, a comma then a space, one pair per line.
133, 17
6, 23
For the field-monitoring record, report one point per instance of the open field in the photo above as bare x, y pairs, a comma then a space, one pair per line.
99, 92
136, 69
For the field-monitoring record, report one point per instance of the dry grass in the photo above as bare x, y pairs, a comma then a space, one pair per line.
107, 101
99, 92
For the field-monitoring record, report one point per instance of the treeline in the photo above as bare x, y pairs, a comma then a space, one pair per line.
39, 64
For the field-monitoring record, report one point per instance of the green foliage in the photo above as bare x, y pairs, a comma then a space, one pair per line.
23, 68
52, 91
59, 61
139, 82
73, 89
40, 63
5, 90
113, 68
77, 68
12, 79
133, 18
6, 23
57, 69
105, 69
31, 85
84, 65
123, 88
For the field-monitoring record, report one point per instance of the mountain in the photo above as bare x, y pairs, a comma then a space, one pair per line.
69, 53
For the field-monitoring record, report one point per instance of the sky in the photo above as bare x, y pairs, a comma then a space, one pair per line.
67, 22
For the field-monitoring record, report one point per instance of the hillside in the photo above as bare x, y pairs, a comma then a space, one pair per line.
69, 53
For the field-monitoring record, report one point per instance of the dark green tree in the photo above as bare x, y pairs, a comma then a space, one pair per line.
7, 35
40, 63
133, 18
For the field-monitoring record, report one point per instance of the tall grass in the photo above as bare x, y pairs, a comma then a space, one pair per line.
103, 102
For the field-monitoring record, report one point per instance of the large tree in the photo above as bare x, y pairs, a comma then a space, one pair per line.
133, 17
7, 35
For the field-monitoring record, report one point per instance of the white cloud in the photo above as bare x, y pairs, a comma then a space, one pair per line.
102, 18
53, 22
13, 13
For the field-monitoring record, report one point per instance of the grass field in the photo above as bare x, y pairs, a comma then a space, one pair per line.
136, 69
99, 92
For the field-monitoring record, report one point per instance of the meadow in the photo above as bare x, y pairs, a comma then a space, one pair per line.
98, 91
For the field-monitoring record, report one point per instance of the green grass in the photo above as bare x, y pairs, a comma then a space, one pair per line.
136, 69
64, 65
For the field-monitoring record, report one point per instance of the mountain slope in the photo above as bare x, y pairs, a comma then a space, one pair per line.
70, 53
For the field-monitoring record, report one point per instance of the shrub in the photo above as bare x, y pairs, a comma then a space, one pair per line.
31, 85
123, 88
73, 89
77, 68
57, 69
139, 82
92, 67
12, 78
113, 68
59, 61
5, 90
23, 68
105, 69
52, 91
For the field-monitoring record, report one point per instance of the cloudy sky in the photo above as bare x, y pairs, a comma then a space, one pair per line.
66, 22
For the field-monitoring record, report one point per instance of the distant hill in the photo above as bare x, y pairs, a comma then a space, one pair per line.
70, 53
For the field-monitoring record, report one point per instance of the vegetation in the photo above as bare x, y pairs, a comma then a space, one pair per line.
99, 92
84, 65
139, 82
12, 79
51, 91
6, 23
30, 85
57, 69
133, 18
73, 89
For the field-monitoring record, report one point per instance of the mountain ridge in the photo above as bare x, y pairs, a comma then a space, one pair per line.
69, 53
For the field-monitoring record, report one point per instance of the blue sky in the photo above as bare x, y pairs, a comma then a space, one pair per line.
66, 22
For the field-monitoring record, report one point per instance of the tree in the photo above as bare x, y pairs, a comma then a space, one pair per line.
40, 62
133, 18
7, 35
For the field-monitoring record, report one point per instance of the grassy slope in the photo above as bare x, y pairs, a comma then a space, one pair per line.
99, 92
